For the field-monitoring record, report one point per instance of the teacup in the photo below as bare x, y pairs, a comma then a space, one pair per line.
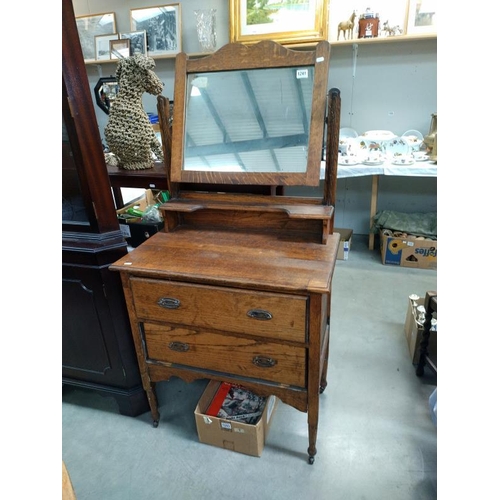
403, 159
374, 158
420, 155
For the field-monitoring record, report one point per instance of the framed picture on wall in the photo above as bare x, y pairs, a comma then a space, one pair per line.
284, 22
91, 26
119, 48
162, 26
421, 17
138, 42
102, 46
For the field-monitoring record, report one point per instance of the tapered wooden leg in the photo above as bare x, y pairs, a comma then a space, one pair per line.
153, 404
315, 370
312, 420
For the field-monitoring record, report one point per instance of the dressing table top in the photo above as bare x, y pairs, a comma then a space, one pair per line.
233, 258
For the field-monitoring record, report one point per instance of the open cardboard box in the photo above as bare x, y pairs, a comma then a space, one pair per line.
408, 252
230, 434
345, 243
135, 230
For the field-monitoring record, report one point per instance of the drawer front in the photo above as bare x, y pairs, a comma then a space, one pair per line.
269, 315
279, 363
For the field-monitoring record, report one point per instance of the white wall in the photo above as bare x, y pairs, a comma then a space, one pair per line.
389, 86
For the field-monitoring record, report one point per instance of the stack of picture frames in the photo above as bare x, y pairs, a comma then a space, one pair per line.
154, 31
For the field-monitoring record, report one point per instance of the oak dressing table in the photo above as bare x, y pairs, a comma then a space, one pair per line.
237, 287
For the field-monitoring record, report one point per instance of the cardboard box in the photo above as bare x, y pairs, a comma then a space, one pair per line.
406, 252
231, 434
135, 230
414, 331
345, 243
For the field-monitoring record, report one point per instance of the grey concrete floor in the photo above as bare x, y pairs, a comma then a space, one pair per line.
376, 438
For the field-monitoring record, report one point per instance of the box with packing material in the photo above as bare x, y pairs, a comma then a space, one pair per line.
232, 434
408, 251
414, 331
135, 229
345, 243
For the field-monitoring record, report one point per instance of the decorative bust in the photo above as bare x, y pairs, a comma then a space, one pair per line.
129, 134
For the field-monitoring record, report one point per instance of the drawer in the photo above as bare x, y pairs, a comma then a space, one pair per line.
245, 357
269, 315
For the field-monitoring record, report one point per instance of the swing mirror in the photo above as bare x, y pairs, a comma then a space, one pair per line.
250, 115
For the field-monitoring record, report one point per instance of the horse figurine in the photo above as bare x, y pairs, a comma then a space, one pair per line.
129, 134
347, 26
392, 31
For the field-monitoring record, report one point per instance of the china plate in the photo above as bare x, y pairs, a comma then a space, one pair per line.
398, 147
378, 135
366, 162
413, 137
404, 161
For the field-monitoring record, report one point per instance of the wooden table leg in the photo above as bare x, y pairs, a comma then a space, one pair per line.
373, 209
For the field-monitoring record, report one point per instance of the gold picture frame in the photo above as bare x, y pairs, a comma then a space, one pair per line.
301, 22
421, 17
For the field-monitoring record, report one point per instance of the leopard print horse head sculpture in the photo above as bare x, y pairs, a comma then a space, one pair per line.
129, 133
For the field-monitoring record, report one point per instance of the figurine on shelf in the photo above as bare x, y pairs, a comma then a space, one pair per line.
129, 133
347, 26
391, 30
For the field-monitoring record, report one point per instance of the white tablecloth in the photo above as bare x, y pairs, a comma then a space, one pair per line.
418, 169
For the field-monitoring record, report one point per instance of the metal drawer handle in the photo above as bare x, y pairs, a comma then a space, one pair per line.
260, 314
169, 303
263, 362
178, 346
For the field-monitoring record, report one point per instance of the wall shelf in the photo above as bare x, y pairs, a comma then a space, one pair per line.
386, 39
370, 41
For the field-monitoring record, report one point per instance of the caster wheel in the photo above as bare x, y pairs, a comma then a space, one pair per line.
322, 389
311, 460
155, 423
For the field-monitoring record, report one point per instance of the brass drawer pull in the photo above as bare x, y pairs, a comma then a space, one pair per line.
178, 346
263, 362
169, 303
260, 314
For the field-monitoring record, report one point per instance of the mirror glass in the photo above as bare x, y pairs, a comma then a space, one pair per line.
105, 92
254, 120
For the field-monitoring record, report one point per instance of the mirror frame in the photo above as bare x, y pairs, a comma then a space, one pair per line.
97, 88
237, 56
